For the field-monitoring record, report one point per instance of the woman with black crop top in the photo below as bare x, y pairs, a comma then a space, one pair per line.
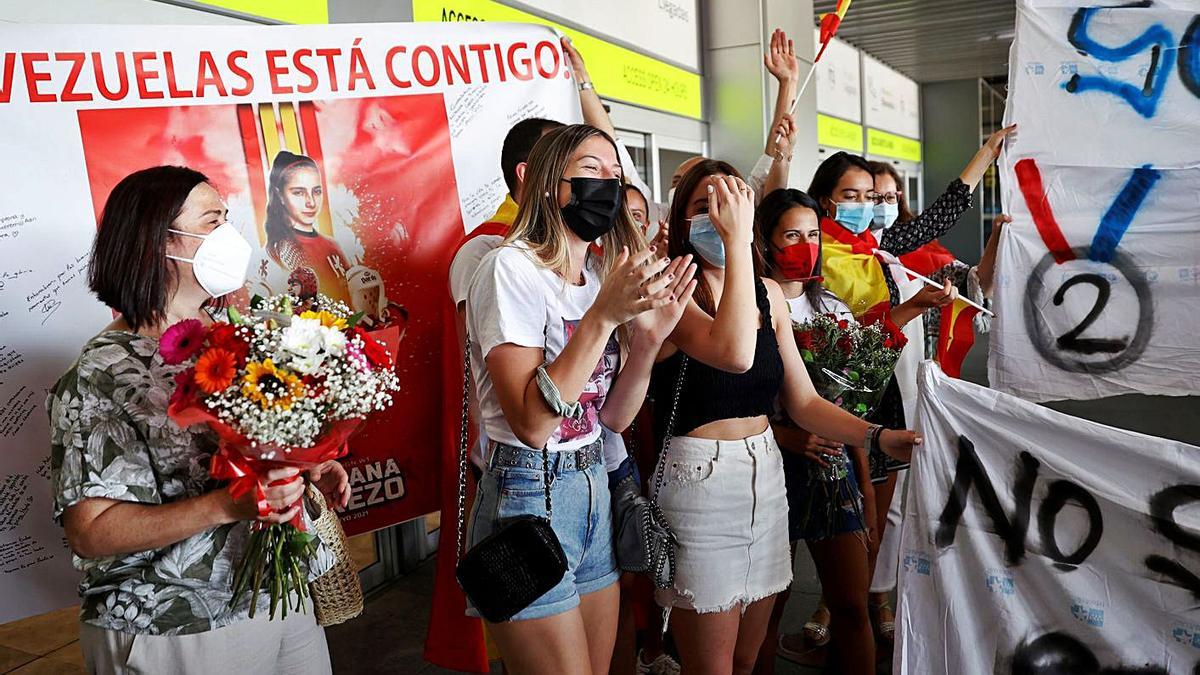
718, 376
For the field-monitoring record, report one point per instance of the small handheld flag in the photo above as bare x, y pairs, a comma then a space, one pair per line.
829, 27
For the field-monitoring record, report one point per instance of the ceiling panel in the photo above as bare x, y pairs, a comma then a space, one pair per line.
931, 40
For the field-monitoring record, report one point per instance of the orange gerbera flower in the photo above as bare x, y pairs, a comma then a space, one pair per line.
327, 319
271, 387
215, 370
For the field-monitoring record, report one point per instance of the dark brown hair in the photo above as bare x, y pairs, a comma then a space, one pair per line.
129, 270
278, 223
678, 241
518, 143
880, 168
766, 220
831, 171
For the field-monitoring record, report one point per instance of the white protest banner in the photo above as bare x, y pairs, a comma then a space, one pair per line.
405, 123
1098, 287
1035, 542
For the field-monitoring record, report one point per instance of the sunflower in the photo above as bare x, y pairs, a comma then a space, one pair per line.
215, 370
271, 387
327, 319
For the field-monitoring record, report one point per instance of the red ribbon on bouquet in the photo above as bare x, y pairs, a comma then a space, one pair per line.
242, 463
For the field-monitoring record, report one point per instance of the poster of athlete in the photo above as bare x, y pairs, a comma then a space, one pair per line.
352, 158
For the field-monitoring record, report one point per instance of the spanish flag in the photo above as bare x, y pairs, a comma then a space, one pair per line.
851, 270
956, 335
830, 24
456, 641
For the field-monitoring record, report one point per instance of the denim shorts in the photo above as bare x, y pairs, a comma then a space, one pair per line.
582, 518
819, 510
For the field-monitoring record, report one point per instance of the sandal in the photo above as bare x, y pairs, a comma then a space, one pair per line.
797, 649
816, 631
885, 620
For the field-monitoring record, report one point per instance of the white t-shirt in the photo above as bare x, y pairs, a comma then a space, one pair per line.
515, 300
462, 269
466, 261
801, 310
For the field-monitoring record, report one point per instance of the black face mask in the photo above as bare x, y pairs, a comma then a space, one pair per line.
595, 203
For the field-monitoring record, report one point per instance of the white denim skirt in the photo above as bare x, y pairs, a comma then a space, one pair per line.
727, 503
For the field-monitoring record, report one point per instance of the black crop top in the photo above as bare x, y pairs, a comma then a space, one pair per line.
710, 394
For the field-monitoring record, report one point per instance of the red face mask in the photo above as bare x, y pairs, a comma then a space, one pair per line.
796, 262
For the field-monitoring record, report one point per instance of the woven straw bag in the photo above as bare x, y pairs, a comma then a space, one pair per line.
337, 595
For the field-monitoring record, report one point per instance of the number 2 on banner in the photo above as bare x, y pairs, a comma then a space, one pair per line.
1070, 341
1069, 351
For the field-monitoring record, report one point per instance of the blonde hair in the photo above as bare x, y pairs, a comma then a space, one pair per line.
539, 223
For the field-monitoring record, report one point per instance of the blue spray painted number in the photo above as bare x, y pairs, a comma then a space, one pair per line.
1156, 38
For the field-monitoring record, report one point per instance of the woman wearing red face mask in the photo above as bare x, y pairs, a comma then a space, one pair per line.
836, 524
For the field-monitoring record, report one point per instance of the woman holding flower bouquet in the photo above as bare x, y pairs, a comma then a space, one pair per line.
156, 539
732, 356
549, 318
830, 500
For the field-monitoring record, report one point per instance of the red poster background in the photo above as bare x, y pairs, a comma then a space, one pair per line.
387, 163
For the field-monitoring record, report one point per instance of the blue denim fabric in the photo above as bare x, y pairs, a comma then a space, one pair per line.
582, 520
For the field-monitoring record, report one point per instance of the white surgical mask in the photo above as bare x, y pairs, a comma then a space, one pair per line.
885, 216
220, 262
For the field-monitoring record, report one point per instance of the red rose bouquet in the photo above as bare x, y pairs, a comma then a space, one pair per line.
284, 387
850, 363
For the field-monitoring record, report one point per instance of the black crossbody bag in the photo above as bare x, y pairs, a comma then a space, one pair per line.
519, 562
644, 540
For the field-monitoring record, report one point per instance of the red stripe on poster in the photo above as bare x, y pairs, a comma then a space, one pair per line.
1030, 180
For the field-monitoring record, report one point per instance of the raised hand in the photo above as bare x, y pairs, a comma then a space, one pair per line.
633, 286
678, 281
780, 59
731, 209
783, 136
661, 238
578, 69
996, 141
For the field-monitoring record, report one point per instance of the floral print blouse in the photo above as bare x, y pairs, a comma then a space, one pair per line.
110, 437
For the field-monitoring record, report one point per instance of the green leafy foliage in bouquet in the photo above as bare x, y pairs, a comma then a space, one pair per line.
850, 363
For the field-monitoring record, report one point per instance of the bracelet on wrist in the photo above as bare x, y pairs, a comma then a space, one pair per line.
871, 443
585, 84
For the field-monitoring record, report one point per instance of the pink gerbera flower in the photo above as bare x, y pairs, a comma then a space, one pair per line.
181, 341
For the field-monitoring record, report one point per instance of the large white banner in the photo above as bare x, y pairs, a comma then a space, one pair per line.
1035, 542
1098, 289
405, 124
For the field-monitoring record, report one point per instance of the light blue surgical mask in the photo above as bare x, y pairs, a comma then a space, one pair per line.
707, 241
855, 216
885, 215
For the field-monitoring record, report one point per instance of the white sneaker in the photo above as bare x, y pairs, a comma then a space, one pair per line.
663, 665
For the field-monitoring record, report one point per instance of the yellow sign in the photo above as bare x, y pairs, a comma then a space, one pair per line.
891, 145
617, 72
288, 11
839, 133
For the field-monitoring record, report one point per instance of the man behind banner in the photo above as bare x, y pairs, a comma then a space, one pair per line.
455, 640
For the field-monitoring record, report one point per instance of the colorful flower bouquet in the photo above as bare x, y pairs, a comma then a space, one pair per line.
850, 363
284, 387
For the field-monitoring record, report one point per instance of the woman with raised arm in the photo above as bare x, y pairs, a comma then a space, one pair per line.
720, 479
